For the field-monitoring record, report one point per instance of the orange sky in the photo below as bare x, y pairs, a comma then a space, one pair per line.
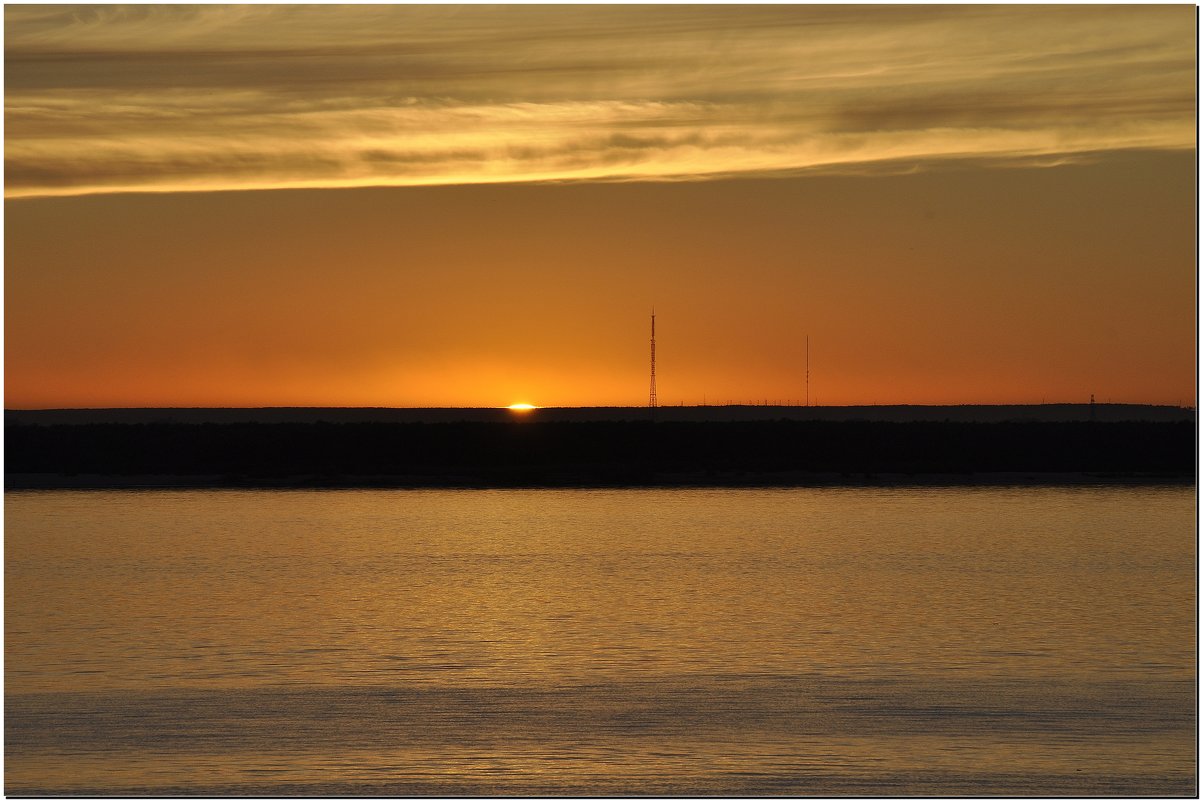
939, 243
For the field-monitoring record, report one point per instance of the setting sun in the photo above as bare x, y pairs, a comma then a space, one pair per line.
521, 407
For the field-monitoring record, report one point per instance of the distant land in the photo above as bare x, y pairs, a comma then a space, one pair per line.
1046, 412
599, 447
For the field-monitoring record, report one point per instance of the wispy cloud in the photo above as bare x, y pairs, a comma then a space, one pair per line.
178, 98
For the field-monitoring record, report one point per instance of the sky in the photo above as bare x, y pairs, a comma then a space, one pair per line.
480, 205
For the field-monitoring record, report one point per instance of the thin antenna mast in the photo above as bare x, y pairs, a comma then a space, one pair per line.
653, 389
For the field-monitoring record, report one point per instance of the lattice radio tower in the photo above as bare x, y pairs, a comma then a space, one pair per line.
653, 389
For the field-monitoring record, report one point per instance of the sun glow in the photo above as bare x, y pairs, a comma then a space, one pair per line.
521, 407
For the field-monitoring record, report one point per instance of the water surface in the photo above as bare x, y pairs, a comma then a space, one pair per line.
998, 640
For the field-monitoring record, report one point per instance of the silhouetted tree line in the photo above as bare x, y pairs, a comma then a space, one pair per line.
573, 453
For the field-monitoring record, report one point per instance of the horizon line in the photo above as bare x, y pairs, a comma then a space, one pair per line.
630, 407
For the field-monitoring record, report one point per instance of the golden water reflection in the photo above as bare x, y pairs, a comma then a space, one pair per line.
740, 640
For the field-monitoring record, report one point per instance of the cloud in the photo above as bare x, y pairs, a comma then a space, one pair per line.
178, 98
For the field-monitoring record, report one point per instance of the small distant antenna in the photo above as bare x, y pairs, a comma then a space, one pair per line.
653, 388
805, 370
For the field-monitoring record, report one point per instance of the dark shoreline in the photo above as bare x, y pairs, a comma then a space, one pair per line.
48, 482
602, 454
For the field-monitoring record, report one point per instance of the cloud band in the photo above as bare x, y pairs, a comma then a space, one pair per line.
176, 98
